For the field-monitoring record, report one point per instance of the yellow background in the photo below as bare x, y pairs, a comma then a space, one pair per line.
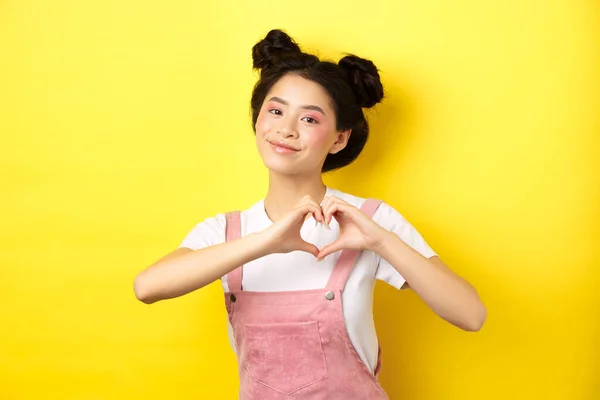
124, 123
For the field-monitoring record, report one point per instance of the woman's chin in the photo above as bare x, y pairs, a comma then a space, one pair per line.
283, 167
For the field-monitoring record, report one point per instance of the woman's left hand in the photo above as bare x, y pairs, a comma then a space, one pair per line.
357, 230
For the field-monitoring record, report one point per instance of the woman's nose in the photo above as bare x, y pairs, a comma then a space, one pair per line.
287, 132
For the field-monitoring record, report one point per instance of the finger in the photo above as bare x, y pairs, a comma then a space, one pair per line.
318, 215
341, 207
336, 199
330, 249
312, 208
327, 215
309, 208
344, 206
309, 248
326, 206
332, 209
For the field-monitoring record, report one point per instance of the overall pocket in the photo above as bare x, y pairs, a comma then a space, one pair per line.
285, 357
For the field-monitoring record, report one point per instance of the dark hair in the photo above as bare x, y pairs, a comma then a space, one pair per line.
353, 84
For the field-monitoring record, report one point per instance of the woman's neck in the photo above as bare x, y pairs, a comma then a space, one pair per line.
286, 191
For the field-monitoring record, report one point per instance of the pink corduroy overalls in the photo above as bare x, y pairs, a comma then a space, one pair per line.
294, 344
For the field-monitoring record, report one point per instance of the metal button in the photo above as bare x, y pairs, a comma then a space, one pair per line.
232, 297
329, 295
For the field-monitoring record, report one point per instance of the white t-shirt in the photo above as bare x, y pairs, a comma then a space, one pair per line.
300, 271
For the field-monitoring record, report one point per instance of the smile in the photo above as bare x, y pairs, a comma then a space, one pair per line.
283, 148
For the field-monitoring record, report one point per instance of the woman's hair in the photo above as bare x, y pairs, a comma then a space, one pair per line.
353, 84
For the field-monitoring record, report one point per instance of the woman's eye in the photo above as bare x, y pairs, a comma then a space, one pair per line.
275, 111
310, 120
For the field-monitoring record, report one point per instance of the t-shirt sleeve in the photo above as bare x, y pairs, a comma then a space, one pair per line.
390, 219
207, 233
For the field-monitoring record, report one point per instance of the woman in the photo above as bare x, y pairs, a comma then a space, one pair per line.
300, 309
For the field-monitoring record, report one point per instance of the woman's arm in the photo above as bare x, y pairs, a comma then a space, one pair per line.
447, 294
185, 270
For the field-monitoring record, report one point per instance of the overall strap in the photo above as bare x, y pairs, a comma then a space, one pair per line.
345, 263
233, 231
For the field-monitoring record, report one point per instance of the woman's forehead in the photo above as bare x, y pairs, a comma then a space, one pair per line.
298, 91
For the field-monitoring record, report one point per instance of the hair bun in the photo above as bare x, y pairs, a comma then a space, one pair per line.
276, 44
364, 79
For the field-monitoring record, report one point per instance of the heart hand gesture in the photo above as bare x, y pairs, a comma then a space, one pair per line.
357, 231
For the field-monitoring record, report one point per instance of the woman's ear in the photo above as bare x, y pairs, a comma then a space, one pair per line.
341, 142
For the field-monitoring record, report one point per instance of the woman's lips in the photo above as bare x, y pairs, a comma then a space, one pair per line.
283, 148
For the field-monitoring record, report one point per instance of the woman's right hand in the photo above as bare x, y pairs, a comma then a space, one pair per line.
284, 235
186, 270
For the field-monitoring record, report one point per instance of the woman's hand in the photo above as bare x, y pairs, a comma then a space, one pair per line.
284, 235
357, 230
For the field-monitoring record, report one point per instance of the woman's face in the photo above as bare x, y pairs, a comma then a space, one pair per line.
296, 127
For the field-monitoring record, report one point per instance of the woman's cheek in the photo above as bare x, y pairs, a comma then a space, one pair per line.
263, 124
320, 137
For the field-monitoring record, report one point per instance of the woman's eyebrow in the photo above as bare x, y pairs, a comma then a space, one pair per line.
307, 107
